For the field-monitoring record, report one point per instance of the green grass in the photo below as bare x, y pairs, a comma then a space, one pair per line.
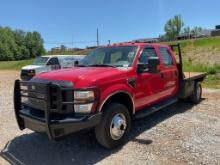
213, 78
14, 65
188, 66
204, 45
212, 81
196, 43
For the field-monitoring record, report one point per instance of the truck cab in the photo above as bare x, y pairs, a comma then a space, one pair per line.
105, 91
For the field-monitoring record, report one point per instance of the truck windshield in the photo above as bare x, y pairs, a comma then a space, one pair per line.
40, 61
110, 56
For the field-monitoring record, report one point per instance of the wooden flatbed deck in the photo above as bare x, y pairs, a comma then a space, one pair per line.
194, 75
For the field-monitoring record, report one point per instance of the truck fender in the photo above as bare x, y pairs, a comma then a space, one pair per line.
114, 93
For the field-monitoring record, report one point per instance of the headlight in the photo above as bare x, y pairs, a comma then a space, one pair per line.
83, 108
31, 73
84, 96
84, 101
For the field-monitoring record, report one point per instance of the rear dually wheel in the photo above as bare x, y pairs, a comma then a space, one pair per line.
197, 93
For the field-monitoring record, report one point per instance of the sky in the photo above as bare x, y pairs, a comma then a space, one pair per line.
74, 22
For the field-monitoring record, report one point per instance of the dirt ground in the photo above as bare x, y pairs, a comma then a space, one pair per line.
180, 134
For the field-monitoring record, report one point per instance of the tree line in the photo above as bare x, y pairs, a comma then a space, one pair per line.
20, 45
175, 26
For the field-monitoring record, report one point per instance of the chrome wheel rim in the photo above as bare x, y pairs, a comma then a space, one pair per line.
118, 126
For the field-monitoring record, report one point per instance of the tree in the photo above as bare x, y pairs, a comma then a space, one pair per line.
8, 45
5, 53
38, 43
187, 30
196, 31
18, 45
34, 44
23, 52
173, 27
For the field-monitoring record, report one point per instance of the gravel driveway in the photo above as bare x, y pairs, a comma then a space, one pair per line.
180, 134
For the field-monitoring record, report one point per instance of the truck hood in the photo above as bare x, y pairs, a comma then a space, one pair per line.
30, 67
83, 77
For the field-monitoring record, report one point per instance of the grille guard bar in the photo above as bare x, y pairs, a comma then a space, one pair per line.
48, 93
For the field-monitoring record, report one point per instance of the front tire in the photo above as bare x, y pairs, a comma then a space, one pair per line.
115, 125
197, 93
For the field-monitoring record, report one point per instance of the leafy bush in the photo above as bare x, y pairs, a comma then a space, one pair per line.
19, 45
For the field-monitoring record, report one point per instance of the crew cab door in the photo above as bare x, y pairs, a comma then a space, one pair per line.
150, 86
169, 72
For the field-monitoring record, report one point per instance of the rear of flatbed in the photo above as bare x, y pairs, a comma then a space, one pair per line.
189, 82
189, 86
197, 76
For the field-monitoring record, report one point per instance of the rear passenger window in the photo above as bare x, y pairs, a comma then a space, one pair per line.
146, 54
166, 56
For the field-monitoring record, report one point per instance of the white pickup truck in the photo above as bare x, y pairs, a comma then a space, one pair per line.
47, 63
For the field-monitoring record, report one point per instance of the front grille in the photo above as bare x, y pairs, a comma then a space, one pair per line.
56, 97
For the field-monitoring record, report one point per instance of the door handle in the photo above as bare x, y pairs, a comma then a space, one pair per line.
161, 75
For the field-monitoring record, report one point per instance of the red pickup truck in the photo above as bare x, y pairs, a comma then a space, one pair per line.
105, 91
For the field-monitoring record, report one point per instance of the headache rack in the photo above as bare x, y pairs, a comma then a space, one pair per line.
180, 62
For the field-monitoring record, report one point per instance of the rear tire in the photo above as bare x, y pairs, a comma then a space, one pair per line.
197, 93
114, 127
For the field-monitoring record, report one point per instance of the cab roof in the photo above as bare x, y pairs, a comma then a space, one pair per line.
136, 44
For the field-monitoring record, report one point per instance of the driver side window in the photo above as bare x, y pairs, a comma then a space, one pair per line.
146, 54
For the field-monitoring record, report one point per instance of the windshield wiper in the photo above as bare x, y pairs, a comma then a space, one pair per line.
102, 65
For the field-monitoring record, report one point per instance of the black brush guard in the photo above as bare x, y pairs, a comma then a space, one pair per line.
49, 109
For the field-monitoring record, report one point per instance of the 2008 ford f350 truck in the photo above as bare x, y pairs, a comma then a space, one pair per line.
107, 89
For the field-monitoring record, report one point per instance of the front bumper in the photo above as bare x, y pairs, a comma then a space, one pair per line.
56, 125
59, 128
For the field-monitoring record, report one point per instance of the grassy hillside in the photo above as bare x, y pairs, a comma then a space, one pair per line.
202, 55
204, 51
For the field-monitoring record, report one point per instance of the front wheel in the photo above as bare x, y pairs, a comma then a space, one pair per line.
197, 93
115, 125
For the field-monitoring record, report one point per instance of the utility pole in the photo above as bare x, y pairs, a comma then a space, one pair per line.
97, 35
109, 42
72, 42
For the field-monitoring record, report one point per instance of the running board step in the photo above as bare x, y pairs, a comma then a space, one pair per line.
145, 112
